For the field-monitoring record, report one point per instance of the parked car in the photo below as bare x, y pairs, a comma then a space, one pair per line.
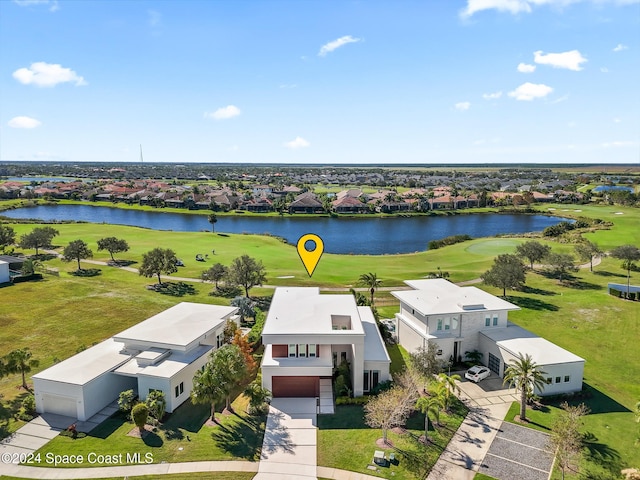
477, 373
179, 263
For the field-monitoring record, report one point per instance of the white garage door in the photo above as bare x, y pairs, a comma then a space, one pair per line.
61, 405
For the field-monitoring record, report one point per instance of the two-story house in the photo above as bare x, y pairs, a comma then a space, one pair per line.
306, 335
464, 319
161, 353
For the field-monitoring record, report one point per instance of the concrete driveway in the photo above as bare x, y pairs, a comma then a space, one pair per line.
289, 448
489, 391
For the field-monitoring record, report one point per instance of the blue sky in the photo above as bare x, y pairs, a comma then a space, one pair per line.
424, 82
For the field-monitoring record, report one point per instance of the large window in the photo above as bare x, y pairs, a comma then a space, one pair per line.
495, 320
292, 350
312, 350
487, 321
179, 390
302, 350
370, 380
439, 324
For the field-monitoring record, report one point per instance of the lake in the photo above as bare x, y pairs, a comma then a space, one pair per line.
357, 235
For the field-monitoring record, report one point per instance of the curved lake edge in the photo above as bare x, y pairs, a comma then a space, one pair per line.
373, 235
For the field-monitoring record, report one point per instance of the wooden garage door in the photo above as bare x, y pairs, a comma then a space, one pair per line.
61, 405
295, 386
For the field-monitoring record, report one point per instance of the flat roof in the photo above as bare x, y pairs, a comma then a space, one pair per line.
86, 365
439, 296
374, 349
167, 367
178, 326
303, 311
515, 339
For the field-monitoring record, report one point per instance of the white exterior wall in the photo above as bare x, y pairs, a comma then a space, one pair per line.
382, 367
408, 335
101, 391
4, 272
185, 375
43, 387
574, 371
146, 383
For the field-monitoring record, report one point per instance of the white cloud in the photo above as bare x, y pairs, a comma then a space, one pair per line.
331, 46
296, 143
492, 96
526, 68
618, 144
526, 6
43, 74
620, 47
570, 60
462, 106
529, 91
155, 18
560, 99
24, 122
223, 113
53, 4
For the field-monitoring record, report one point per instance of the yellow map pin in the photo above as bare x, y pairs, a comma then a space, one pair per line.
310, 258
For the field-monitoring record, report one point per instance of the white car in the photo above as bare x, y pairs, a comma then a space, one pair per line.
477, 373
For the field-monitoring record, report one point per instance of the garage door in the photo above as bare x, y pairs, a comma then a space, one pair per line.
295, 386
61, 405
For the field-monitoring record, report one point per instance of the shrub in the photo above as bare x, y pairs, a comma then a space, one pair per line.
139, 415
126, 400
343, 400
156, 403
435, 244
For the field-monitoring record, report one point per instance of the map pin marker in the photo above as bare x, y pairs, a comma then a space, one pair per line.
310, 258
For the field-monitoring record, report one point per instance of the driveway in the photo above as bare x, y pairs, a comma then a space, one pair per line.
32, 436
289, 448
489, 391
518, 452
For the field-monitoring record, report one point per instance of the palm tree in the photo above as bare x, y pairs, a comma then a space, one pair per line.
447, 386
212, 218
430, 405
20, 361
525, 375
371, 281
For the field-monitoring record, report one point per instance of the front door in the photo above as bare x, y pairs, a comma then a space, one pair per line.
456, 350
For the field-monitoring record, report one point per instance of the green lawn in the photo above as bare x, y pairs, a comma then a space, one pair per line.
184, 437
346, 442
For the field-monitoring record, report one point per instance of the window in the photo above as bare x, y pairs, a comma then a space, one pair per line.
566, 378
549, 382
219, 340
371, 379
292, 350
454, 323
447, 324
557, 379
335, 359
343, 357
487, 321
312, 350
302, 350
439, 324
365, 381
179, 390
495, 320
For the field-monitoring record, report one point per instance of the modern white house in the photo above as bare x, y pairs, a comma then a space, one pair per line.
160, 353
463, 319
306, 335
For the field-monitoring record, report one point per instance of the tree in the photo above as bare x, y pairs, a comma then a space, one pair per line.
565, 439
628, 254
113, 245
76, 250
533, 251
507, 272
208, 387
228, 371
447, 387
246, 272
245, 307
431, 404
216, 273
424, 360
212, 219
474, 356
525, 375
371, 281
30, 266
157, 404
241, 341
258, 396
126, 400
560, 264
39, 237
139, 415
7, 236
587, 251
21, 361
387, 410
157, 262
